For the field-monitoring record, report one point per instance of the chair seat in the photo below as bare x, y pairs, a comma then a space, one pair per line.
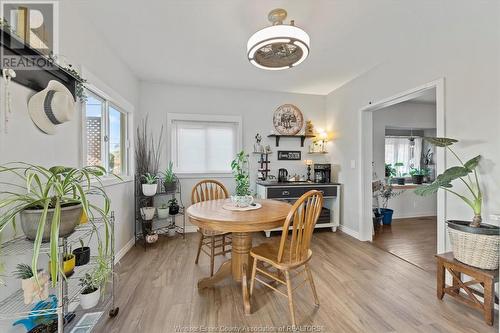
268, 252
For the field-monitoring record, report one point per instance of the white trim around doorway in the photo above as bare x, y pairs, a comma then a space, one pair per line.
366, 152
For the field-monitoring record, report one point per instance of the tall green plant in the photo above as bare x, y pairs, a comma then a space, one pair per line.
36, 187
241, 174
466, 173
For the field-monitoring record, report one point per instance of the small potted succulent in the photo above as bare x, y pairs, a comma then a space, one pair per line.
173, 207
473, 242
69, 263
148, 213
82, 254
150, 185
163, 211
400, 178
33, 291
417, 175
170, 181
90, 293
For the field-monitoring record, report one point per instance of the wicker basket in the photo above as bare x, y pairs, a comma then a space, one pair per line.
475, 249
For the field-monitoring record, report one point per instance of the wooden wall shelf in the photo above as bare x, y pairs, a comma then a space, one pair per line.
38, 77
278, 136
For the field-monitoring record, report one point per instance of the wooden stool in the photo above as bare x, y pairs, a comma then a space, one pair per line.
486, 278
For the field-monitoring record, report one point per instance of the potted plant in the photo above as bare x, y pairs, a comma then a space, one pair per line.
473, 243
163, 211
386, 192
150, 185
400, 179
148, 213
33, 291
239, 165
50, 203
90, 293
170, 181
417, 175
173, 208
390, 171
82, 254
68, 264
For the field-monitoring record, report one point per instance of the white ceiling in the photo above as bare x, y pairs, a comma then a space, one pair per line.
203, 42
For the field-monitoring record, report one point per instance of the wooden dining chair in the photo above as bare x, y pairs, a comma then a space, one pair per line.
277, 260
212, 243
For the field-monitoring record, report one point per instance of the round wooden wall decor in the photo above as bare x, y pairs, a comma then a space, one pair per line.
288, 120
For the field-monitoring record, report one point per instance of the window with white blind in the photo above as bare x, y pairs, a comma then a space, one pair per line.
203, 144
406, 150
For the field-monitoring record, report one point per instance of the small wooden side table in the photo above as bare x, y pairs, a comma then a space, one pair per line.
486, 278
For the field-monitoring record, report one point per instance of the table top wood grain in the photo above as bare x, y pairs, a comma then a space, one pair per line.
210, 215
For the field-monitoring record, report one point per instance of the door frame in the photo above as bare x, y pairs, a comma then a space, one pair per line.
366, 151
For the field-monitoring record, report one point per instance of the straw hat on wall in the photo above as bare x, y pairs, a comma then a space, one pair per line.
51, 107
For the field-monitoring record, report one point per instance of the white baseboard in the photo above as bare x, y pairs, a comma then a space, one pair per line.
408, 216
123, 251
350, 232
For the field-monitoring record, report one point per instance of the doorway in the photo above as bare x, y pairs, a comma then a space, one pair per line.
410, 220
405, 223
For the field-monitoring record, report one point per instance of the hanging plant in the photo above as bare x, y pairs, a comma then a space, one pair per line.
80, 83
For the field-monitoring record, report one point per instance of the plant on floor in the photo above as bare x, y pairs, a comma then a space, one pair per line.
386, 193
50, 202
465, 172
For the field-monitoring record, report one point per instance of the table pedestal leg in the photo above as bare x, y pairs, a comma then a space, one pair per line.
241, 261
223, 272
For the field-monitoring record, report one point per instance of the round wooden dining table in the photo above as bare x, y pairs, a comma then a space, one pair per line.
211, 215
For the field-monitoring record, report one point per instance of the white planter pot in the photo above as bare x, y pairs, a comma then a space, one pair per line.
88, 301
148, 213
162, 213
149, 189
33, 292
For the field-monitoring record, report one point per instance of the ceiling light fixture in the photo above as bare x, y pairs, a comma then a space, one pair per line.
279, 46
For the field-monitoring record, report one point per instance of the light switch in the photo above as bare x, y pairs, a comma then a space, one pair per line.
353, 164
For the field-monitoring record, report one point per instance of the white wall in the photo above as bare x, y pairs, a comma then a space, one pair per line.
255, 107
467, 57
24, 142
403, 115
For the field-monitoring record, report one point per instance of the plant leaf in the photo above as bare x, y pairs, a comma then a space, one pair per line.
440, 142
472, 163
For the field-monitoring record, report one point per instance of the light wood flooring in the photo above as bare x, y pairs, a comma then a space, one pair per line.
361, 289
411, 239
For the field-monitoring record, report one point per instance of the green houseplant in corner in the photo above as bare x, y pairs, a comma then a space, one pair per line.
239, 165
170, 181
473, 243
50, 203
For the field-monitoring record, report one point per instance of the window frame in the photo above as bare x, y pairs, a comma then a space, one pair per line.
201, 118
107, 103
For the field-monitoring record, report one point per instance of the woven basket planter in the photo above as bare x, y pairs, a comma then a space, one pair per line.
478, 247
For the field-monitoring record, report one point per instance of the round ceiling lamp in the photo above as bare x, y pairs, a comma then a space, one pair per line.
279, 46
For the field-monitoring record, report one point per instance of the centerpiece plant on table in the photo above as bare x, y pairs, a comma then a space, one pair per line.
50, 203
240, 167
473, 242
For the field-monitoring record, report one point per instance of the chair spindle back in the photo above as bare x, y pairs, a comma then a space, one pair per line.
208, 189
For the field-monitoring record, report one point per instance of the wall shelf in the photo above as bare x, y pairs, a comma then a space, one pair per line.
38, 77
302, 138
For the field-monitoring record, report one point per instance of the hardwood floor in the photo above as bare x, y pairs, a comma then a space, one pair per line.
412, 239
361, 289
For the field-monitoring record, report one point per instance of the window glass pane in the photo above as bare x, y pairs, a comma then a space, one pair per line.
116, 141
220, 148
94, 130
191, 149
403, 150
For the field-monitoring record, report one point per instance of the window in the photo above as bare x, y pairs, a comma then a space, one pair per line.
105, 135
406, 150
204, 144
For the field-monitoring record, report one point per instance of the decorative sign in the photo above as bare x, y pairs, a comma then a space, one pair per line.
289, 155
